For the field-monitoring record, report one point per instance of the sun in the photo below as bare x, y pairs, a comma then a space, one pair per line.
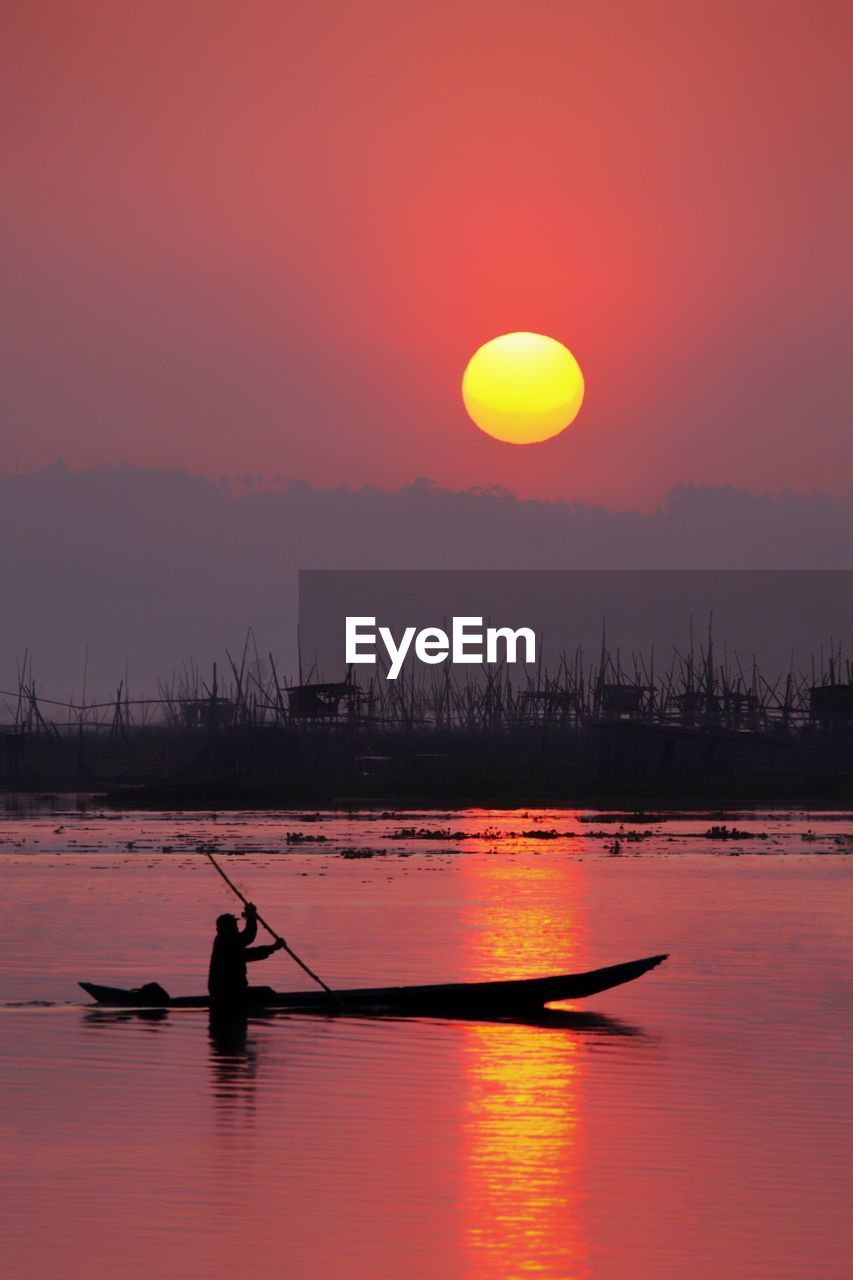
523, 388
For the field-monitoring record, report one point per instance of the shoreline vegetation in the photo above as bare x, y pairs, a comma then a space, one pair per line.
698, 733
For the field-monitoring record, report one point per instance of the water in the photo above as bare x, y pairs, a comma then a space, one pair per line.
700, 1126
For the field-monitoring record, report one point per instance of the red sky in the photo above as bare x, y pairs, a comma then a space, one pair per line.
265, 238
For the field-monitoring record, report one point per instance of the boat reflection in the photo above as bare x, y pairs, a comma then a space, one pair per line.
233, 1054
151, 1019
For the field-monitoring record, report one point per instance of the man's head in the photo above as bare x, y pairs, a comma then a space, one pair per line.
226, 926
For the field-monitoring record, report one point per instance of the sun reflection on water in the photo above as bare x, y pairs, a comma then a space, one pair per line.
522, 1118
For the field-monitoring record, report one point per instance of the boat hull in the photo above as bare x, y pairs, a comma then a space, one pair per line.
449, 999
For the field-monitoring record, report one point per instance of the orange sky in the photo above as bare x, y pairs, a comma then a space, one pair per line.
266, 238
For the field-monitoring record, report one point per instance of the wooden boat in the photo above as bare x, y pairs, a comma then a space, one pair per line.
453, 999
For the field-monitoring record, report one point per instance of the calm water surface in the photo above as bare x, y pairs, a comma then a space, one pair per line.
698, 1126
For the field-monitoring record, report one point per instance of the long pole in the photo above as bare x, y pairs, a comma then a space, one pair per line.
302, 965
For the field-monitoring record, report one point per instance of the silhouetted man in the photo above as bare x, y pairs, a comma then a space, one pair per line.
232, 950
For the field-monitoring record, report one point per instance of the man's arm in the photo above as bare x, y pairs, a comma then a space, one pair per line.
261, 953
248, 935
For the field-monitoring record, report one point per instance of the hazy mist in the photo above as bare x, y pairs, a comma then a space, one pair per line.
159, 568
